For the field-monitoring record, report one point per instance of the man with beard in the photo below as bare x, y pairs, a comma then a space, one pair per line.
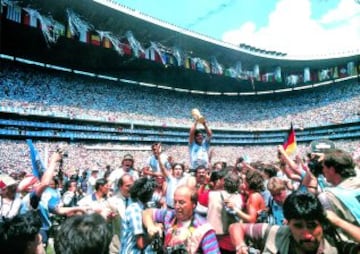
308, 230
201, 178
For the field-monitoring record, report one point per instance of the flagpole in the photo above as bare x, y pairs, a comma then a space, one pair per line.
46, 156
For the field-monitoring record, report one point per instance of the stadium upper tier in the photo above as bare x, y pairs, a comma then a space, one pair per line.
68, 95
106, 38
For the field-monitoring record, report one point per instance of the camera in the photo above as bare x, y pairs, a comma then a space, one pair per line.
150, 204
177, 249
61, 151
63, 154
157, 243
315, 165
316, 148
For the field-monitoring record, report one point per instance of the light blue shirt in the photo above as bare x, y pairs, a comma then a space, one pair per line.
132, 226
278, 213
199, 154
153, 163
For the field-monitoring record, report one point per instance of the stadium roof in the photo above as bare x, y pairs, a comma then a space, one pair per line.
119, 19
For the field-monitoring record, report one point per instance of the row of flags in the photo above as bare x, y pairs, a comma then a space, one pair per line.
341, 71
79, 29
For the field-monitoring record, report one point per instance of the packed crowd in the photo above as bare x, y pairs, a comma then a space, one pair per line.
177, 199
26, 88
297, 203
15, 154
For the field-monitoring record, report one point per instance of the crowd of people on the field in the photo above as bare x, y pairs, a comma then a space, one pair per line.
25, 88
15, 155
302, 203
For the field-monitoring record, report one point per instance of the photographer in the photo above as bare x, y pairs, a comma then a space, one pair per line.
185, 231
343, 197
309, 229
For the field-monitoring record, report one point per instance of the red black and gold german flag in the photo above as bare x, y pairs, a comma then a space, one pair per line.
290, 142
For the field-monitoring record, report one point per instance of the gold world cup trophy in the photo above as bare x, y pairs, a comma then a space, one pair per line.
197, 115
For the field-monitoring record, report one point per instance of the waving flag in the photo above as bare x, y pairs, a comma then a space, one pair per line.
38, 167
290, 142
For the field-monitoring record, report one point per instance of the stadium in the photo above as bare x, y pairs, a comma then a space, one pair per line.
103, 116
71, 76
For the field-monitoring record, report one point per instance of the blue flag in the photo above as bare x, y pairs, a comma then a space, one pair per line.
38, 167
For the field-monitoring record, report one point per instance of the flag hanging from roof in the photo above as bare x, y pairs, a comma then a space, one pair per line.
290, 142
14, 13
31, 17
95, 40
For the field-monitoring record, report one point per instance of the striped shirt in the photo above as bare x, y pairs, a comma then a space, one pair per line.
132, 227
209, 243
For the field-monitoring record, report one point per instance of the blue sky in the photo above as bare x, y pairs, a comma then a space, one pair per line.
298, 27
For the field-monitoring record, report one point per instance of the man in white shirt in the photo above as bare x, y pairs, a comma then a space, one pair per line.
91, 181
127, 166
97, 201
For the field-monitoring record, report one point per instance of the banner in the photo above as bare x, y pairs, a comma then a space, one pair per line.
307, 76
38, 167
14, 13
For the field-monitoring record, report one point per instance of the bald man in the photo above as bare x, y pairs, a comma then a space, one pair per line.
184, 229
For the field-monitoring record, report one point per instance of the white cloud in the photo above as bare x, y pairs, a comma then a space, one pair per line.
346, 10
291, 29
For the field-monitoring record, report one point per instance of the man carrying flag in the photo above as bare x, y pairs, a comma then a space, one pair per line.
45, 198
300, 172
287, 165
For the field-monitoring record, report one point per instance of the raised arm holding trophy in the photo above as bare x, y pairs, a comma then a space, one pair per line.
197, 116
198, 145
